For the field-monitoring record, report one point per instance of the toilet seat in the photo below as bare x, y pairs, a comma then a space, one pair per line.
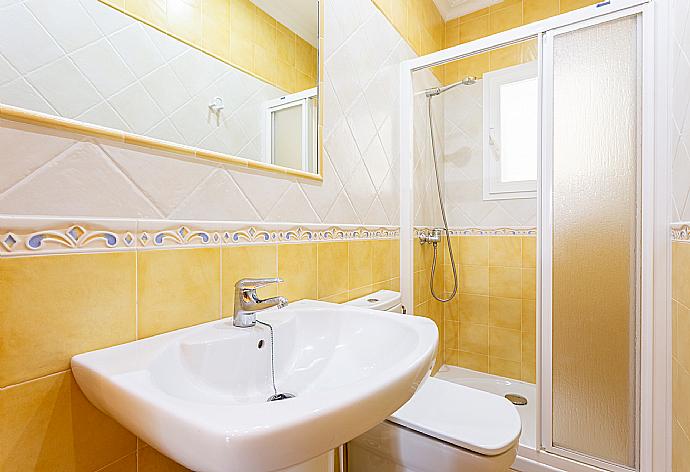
445, 427
465, 417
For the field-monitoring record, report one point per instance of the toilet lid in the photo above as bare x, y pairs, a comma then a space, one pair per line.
382, 300
466, 417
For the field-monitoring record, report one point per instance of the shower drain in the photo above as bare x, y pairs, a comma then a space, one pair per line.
516, 399
280, 396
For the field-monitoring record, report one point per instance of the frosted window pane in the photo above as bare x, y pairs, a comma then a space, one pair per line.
518, 105
287, 137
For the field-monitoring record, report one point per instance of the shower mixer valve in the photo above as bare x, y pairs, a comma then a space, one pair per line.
431, 238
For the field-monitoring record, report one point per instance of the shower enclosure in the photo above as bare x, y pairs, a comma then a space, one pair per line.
527, 164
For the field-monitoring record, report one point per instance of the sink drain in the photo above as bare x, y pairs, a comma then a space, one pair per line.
516, 399
280, 396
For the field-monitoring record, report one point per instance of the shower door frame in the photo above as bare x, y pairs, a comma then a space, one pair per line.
653, 445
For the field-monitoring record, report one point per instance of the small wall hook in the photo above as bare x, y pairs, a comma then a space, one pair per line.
216, 105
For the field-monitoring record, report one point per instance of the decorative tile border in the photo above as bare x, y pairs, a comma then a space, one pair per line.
21, 236
680, 232
515, 231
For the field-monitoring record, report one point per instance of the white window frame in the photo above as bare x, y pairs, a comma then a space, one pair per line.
494, 188
299, 99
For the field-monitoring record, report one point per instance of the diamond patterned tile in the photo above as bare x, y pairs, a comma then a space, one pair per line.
361, 120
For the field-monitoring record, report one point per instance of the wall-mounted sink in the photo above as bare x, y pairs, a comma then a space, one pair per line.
199, 395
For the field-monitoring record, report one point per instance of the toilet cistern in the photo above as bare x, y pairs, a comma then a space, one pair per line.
247, 302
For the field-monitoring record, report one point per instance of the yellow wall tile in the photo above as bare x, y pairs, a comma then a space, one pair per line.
150, 460
529, 251
569, 5
535, 10
297, 266
500, 305
505, 312
332, 269
359, 264
252, 261
54, 307
177, 288
48, 425
681, 355
185, 20
683, 330
471, 360
126, 464
506, 56
216, 28
382, 254
504, 368
474, 280
472, 250
153, 11
473, 308
505, 251
681, 274
529, 284
452, 335
505, 343
238, 33
529, 315
505, 18
505, 282
474, 338
474, 29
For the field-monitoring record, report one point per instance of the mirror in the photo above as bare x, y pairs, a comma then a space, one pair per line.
234, 78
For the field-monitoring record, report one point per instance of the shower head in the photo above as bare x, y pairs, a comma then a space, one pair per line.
469, 80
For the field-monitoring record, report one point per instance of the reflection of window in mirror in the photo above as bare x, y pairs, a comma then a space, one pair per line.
290, 130
163, 75
510, 132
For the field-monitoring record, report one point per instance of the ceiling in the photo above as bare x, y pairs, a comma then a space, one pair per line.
450, 9
301, 16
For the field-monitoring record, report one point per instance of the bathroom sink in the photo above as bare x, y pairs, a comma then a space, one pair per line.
199, 394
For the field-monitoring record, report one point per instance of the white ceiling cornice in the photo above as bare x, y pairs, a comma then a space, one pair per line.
450, 9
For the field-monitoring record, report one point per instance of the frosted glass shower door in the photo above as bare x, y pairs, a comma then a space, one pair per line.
592, 154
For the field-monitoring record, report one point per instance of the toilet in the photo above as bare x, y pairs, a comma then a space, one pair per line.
444, 427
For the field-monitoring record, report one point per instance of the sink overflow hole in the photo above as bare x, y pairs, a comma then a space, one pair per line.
261, 343
516, 399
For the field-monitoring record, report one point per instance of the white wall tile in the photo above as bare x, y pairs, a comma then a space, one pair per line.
7, 72
293, 206
65, 88
680, 109
137, 108
103, 115
137, 49
25, 149
81, 181
20, 93
69, 24
166, 180
166, 89
217, 198
103, 67
106, 18
24, 42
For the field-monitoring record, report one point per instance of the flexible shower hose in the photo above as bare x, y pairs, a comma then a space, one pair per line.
445, 221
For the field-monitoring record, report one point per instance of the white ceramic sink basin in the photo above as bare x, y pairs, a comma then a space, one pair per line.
199, 394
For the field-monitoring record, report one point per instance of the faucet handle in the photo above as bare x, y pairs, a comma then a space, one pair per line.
253, 284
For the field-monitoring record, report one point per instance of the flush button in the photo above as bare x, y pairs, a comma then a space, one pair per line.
373, 300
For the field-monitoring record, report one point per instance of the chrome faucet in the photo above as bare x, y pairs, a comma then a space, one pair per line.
247, 302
